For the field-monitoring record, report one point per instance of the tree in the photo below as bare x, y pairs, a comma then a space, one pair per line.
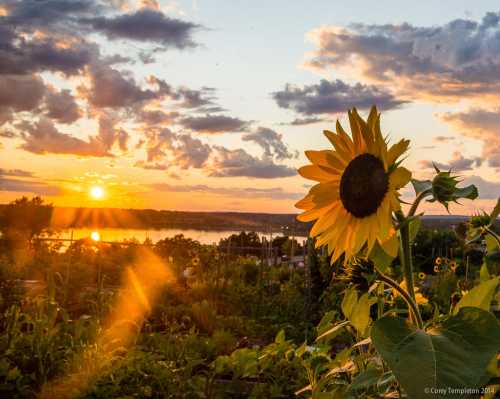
25, 219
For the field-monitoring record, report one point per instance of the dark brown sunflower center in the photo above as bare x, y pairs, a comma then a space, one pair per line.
363, 185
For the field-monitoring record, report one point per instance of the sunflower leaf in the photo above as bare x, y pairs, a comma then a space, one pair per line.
421, 185
480, 296
453, 354
469, 192
380, 258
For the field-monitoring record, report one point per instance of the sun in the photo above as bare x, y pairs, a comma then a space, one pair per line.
97, 192
95, 236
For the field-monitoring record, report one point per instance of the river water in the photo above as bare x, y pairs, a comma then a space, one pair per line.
120, 235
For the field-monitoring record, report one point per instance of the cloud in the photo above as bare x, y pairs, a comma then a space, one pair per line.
110, 89
443, 139
109, 134
189, 152
24, 186
214, 124
22, 56
18, 180
233, 163
166, 150
197, 98
271, 142
26, 183
452, 60
42, 137
15, 172
276, 193
36, 14
331, 97
303, 121
20, 93
157, 117
479, 124
458, 163
147, 25
61, 106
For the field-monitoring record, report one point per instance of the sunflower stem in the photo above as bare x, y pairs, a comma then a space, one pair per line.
417, 201
412, 305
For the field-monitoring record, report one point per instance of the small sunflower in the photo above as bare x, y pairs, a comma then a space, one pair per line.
419, 298
195, 261
357, 189
439, 261
453, 265
436, 268
421, 275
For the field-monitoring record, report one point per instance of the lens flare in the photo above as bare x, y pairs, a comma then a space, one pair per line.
143, 283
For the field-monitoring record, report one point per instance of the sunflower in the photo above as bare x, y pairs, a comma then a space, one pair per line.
195, 261
356, 192
453, 265
438, 261
419, 298
421, 275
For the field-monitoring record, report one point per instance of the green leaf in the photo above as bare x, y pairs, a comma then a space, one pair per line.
469, 192
454, 354
380, 258
357, 311
360, 317
421, 185
484, 274
280, 337
335, 329
496, 211
491, 243
480, 296
365, 379
349, 302
414, 228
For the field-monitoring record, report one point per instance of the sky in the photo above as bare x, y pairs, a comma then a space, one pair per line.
210, 105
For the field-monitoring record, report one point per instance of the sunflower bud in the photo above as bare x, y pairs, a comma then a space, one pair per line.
445, 190
360, 272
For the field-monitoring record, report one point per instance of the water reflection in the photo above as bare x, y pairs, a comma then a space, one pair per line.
120, 235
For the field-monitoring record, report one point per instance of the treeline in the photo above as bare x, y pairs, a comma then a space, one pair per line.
67, 217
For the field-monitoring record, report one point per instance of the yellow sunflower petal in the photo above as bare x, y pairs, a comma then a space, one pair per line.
391, 246
313, 172
399, 178
397, 150
313, 214
337, 142
325, 158
306, 203
323, 222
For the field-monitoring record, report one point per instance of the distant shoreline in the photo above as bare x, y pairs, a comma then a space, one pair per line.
140, 219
